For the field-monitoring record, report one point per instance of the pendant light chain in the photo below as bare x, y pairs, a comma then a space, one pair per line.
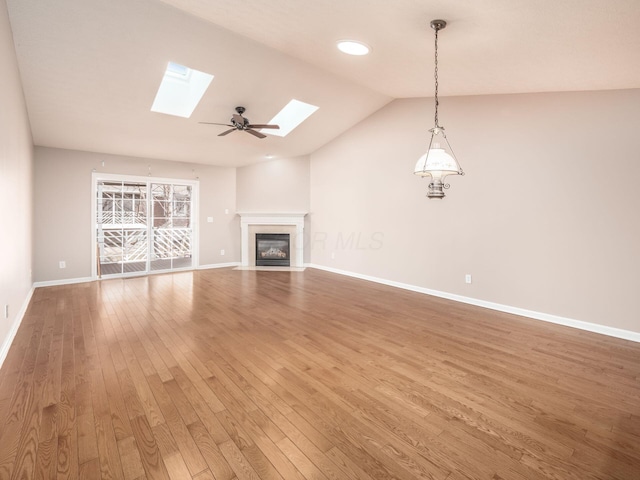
436, 78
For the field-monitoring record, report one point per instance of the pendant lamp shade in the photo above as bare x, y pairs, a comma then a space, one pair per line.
439, 160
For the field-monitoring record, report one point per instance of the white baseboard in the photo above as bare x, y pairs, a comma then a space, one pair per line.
218, 265
4, 350
546, 317
64, 281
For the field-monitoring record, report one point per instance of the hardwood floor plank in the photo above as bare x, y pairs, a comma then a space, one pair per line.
260, 463
46, 459
100, 336
257, 388
300, 460
51, 393
226, 375
131, 463
87, 442
180, 433
90, 470
238, 462
234, 429
205, 414
348, 465
164, 440
157, 361
18, 451
186, 411
130, 395
206, 475
210, 451
307, 447
143, 393
67, 457
108, 453
276, 411
176, 467
148, 449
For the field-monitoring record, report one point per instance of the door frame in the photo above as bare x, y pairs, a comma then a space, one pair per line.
195, 203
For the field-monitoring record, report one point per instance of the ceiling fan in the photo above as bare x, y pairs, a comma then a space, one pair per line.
238, 122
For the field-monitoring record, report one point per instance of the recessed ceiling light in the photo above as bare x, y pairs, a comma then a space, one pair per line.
268, 156
180, 91
293, 114
353, 47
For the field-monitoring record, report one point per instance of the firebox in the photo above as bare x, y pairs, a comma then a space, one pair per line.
273, 249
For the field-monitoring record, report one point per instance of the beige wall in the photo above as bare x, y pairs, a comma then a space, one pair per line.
275, 186
62, 229
546, 218
16, 160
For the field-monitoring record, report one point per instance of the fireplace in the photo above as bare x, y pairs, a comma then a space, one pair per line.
253, 223
273, 250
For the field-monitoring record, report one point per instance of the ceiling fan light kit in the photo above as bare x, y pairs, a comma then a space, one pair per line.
238, 122
439, 161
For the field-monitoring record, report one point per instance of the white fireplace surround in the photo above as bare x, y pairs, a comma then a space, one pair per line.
292, 223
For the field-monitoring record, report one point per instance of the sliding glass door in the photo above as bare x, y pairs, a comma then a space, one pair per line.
172, 231
143, 226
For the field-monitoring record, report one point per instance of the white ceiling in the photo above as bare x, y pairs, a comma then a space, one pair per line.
91, 68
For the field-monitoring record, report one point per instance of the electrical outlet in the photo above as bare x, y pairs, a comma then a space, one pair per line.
62, 264
467, 278
222, 252
333, 255
226, 211
210, 219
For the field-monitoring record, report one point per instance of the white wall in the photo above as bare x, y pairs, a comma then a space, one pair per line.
546, 218
16, 159
62, 229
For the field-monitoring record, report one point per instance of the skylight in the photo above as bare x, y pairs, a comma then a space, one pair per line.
178, 70
292, 115
181, 90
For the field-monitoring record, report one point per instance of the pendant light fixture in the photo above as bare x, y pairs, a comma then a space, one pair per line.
439, 161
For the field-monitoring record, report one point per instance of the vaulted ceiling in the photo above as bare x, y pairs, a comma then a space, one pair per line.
91, 68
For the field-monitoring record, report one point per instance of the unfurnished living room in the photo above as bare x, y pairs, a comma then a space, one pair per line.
336, 240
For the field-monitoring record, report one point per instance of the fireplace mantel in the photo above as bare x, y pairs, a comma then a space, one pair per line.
295, 220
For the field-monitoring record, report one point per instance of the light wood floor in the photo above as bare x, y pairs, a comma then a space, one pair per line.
274, 375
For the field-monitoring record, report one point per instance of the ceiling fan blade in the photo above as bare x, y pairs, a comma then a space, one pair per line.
227, 132
211, 123
263, 126
254, 133
238, 118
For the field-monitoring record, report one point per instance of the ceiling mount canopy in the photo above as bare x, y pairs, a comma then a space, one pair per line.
438, 24
439, 161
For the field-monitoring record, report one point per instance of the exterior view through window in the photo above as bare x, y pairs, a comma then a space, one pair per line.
143, 227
